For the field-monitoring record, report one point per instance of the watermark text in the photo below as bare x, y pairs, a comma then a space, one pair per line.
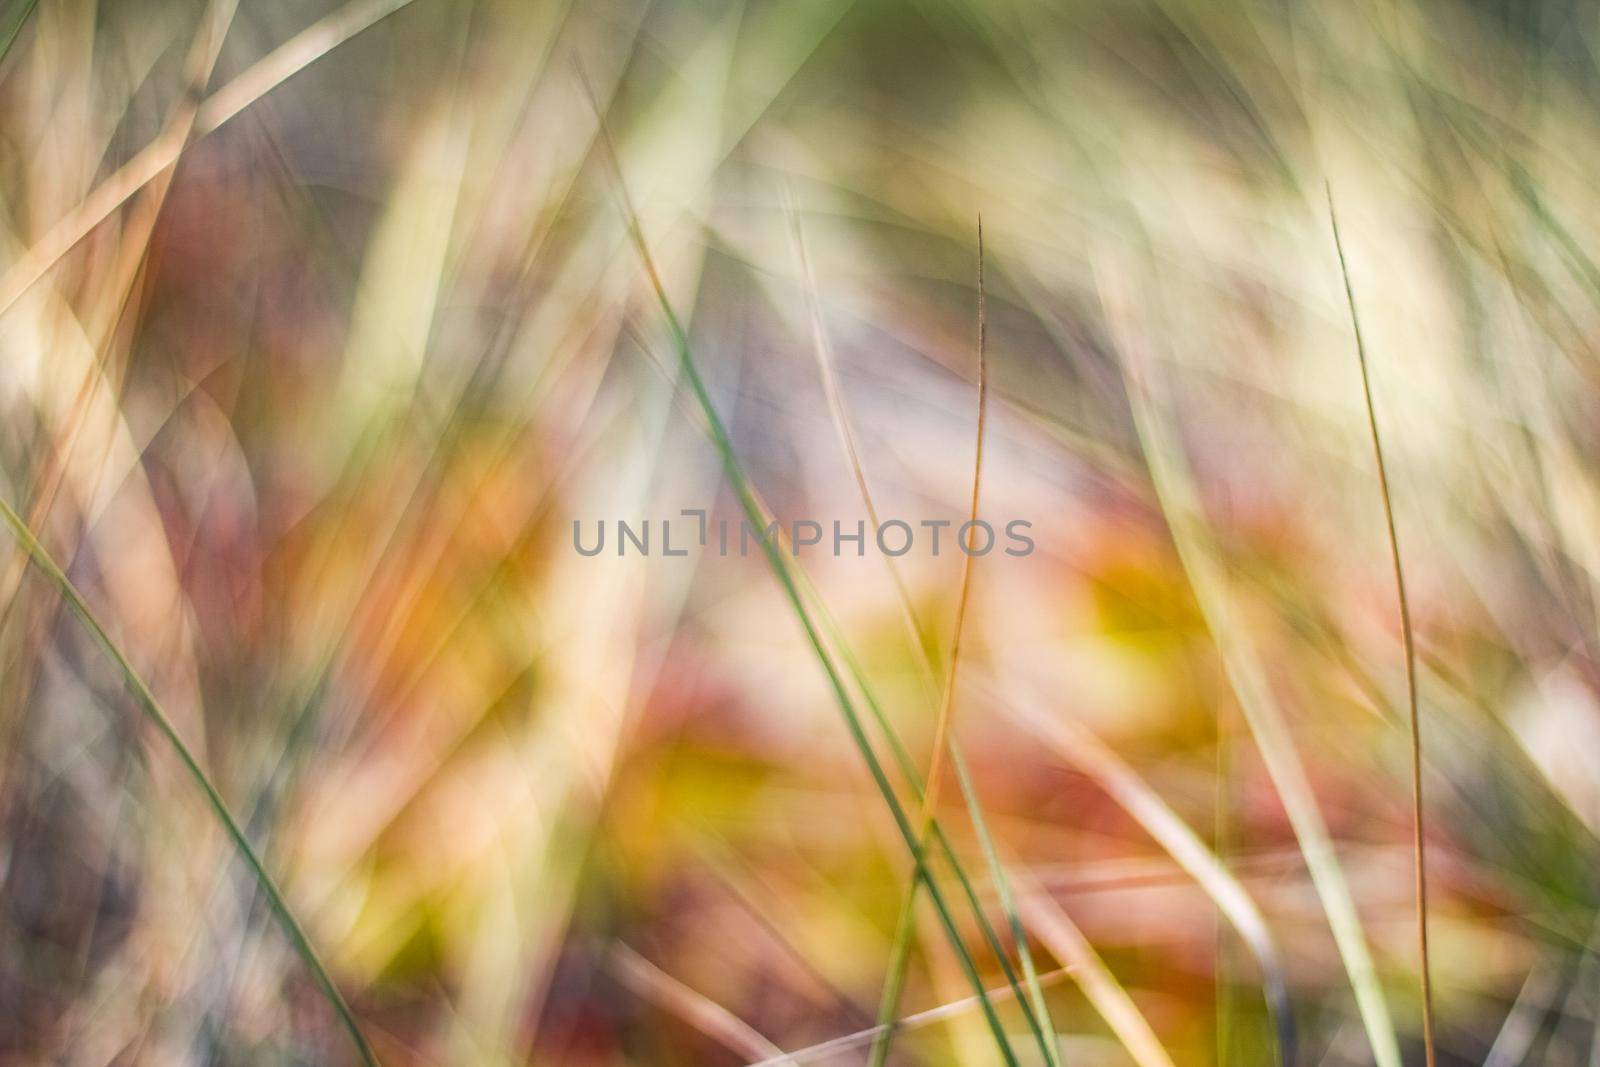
892, 537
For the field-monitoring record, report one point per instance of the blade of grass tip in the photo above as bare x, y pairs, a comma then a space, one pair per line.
1408, 641
822, 347
266, 74
744, 492
148, 704
1178, 498
1044, 1027
695, 1008
900, 945
900, 953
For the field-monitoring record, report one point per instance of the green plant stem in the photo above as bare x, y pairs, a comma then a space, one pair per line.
151, 708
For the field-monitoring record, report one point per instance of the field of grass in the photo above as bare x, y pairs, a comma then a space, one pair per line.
455, 460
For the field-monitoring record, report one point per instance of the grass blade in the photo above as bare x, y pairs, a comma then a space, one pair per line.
694, 1008
750, 505
1099, 985
266, 74
901, 757
152, 710
942, 746
1420, 855
941, 726
1134, 795
900, 952
1180, 502
834, 1046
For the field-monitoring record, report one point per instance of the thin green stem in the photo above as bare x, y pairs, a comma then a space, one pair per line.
943, 745
148, 704
745, 494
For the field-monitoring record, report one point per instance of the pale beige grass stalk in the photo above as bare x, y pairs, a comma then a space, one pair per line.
1179, 499
698, 1010
266, 74
1056, 929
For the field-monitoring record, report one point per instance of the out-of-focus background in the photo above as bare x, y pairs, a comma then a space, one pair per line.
321, 327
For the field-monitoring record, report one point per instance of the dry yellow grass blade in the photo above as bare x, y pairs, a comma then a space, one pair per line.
132, 249
1179, 499
1419, 850
282, 63
1083, 749
1052, 925
822, 348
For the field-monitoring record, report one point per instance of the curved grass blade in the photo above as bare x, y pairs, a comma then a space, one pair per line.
900, 955
266, 74
745, 494
1419, 850
900, 952
1206, 866
897, 750
152, 709
1179, 500
1099, 985
1133, 794
693, 1007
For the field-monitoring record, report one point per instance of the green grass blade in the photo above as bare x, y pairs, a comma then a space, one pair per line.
895, 978
943, 745
152, 709
1041, 1023
745, 494
779, 566
13, 24
1008, 906
901, 757
938, 837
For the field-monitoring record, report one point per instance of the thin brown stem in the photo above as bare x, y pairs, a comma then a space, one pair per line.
941, 728
1418, 846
